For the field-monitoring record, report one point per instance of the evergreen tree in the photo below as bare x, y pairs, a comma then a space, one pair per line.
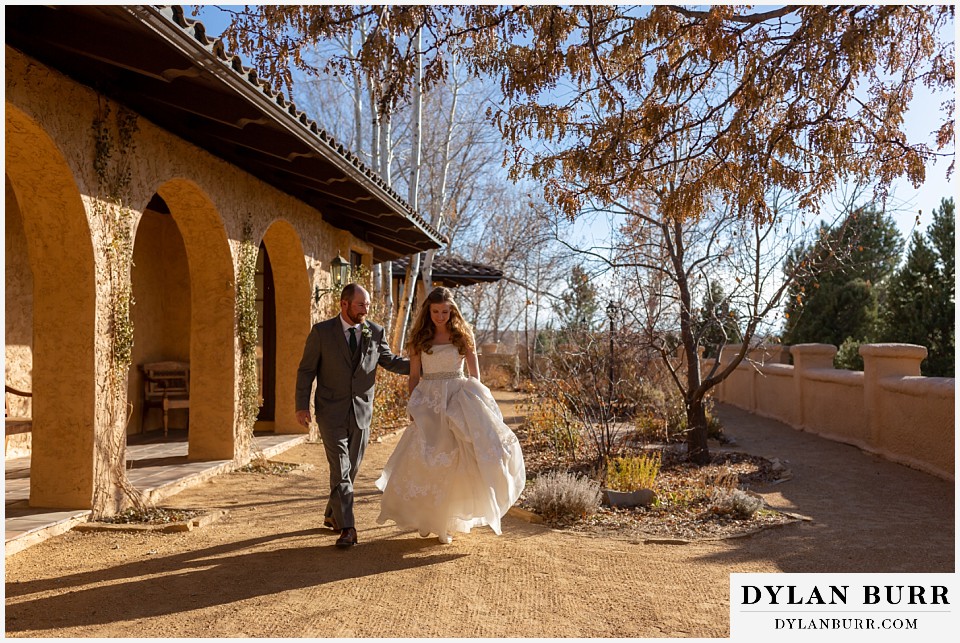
578, 306
920, 304
841, 302
716, 323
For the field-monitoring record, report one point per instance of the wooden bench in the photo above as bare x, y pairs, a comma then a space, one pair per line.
13, 425
166, 385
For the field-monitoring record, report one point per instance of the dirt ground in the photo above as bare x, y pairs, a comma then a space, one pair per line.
267, 569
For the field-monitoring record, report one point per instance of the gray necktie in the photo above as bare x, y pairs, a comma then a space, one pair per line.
353, 340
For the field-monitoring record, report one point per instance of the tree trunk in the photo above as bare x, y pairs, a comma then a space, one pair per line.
697, 449
385, 149
413, 197
374, 128
376, 278
357, 98
436, 218
406, 299
416, 145
386, 278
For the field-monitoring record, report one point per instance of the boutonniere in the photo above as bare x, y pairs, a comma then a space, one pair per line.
365, 332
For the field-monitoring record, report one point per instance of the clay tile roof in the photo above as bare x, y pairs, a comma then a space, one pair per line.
217, 47
453, 270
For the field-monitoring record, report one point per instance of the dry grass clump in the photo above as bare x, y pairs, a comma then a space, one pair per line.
562, 497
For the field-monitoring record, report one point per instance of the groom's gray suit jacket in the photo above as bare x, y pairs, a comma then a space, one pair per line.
343, 381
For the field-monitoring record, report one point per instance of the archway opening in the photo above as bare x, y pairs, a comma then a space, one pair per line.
290, 319
160, 279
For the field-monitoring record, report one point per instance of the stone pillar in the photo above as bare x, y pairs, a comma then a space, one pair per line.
805, 358
881, 361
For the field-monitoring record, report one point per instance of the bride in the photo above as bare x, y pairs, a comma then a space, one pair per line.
457, 466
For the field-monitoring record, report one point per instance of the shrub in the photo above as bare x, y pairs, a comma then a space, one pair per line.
734, 502
662, 416
848, 356
563, 497
714, 425
390, 400
632, 473
546, 419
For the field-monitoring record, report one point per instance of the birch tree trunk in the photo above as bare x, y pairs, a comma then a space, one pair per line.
376, 154
357, 97
436, 216
386, 283
413, 268
374, 129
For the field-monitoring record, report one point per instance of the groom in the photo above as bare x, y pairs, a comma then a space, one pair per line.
342, 355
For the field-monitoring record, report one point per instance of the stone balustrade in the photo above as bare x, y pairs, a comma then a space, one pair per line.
887, 408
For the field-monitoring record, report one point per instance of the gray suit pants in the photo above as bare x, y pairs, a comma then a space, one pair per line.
344, 446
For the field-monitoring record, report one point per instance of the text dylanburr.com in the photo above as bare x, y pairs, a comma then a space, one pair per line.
847, 607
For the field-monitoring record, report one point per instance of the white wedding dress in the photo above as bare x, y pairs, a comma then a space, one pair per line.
457, 466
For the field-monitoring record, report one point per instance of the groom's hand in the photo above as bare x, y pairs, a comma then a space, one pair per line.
303, 417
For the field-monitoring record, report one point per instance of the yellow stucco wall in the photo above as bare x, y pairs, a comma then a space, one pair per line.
887, 409
184, 279
18, 309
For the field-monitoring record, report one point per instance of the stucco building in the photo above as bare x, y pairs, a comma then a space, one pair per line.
130, 135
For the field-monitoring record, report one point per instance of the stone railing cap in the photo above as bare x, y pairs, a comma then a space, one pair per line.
814, 349
893, 350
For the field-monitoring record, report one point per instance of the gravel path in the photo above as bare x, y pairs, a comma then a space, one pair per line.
267, 570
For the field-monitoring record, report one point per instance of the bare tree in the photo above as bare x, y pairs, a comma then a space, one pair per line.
662, 267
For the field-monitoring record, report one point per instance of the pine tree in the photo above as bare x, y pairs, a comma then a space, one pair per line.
842, 302
920, 303
578, 305
716, 323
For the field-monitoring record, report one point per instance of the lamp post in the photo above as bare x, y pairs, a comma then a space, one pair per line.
612, 314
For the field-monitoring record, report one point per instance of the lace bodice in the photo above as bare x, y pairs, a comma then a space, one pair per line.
443, 359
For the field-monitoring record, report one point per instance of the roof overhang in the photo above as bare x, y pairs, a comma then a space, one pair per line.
161, 65
453, 270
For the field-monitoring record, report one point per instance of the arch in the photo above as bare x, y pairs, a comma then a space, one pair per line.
160, 280
213, 363
292, 295
65, 364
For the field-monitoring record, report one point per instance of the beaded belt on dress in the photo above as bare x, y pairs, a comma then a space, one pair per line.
452, 375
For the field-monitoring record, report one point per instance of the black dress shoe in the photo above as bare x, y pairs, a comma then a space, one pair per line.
348, 538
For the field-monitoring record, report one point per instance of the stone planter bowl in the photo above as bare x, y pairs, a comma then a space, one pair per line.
638, 498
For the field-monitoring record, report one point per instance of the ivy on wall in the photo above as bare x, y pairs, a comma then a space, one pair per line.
247, 323
114, 147
112, 154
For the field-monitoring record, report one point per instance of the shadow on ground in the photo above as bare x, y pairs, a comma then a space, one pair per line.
209, 577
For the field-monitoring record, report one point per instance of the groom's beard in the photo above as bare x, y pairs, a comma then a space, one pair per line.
355, 318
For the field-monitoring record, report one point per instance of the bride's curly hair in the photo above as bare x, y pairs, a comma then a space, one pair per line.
421, 335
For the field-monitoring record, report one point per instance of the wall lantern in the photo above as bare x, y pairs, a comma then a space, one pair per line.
339, 272
339, 276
